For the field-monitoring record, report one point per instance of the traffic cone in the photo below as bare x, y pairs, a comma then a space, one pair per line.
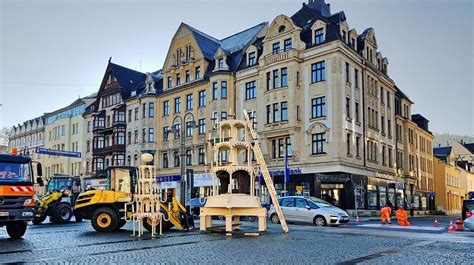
436, 223
451, 227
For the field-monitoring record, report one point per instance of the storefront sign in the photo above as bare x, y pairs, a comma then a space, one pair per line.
299, 188
384, 176
281, 172
46, 151
333, 178
169, 185
168, 178
203, 180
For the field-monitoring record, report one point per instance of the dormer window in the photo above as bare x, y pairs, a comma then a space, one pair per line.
344, 36
221, 63
319, 36
276, 48
353, 41
287, 45
169, 82
252, 59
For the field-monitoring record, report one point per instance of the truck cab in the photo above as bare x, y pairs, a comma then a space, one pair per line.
17, 203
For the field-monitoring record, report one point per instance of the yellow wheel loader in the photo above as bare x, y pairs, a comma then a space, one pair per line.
109, 209
59, 200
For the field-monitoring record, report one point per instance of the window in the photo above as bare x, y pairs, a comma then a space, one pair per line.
202, 98
189, 157
136, 113
187, 76
177, 105
224, 115
177, 131
178, 79
284, 111
129, 138
287, 45
382, 122
381, 95
197, 73
318, 143
358, 146
165, 160
383, 155
276, 115
252, 59
136, 137
169, 82
319, 36
223, 156
348, 107
215, 119
176, 159
269, 114
389, 128
284, 77
88, 147
357, 116
348, 79
201, 156
276, 48
224, 89
268, 81
318, 72
144, 135
221, 63
166, 131
281, 146
129, 116
202, 126
318, 106
348, 143
166, 108
388, 99
356, 78
250, 90
88, 126
151, 135
275, 79
151, 110
189, 102
189, 128
214, 90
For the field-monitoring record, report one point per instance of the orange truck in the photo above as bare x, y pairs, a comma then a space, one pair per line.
17, 194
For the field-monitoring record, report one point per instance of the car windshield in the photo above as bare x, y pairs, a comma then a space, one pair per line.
15, 172
59, 184
320, 202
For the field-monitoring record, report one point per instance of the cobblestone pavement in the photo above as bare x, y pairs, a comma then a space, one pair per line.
367, 242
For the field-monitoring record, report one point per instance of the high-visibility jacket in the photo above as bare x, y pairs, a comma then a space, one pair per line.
402, 218
385, 213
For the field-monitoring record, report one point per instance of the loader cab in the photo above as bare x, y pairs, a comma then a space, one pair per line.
62, 182
121, 179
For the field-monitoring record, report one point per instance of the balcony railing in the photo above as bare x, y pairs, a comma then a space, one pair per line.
282, 55
109, 149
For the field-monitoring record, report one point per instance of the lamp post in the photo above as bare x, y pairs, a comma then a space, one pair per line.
181, 133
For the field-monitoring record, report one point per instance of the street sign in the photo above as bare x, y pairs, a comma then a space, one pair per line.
168, 178
400, 185
46, 151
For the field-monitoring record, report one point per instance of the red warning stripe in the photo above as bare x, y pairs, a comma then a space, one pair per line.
21, 188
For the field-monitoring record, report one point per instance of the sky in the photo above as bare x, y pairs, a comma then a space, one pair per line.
54, 51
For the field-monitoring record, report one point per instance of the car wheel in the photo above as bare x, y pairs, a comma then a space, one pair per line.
319, 221
274, 219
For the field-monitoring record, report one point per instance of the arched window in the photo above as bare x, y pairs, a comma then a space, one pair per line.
281, 28
135, 159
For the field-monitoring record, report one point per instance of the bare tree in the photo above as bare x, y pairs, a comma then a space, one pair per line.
5, 136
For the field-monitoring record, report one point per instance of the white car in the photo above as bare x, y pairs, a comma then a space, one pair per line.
469, 222
298, 209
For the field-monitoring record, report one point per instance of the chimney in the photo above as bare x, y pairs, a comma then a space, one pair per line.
320, 5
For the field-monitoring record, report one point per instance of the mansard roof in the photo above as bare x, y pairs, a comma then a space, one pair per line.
207, 43
442, 152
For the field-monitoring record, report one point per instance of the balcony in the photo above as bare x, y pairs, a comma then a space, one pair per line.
109, 149
283, 55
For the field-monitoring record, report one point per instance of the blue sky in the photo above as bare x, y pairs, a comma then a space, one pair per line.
54, 51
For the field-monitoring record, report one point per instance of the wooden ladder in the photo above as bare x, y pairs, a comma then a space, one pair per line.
265, 173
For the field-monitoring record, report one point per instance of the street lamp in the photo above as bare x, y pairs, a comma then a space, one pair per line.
181, 132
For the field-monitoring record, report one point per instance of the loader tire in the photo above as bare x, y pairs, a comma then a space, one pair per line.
105, 220
62, 213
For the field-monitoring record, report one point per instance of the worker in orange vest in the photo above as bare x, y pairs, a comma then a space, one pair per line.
385, 213
402, 217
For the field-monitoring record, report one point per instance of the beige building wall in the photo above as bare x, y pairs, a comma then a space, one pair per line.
449, 193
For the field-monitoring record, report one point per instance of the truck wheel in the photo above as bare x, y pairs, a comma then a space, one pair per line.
105, 220
121, 223
16, 229
62, 213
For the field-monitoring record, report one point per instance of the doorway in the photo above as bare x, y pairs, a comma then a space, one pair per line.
333, 193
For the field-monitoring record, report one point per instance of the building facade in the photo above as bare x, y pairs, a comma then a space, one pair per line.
26, 137
64, 132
